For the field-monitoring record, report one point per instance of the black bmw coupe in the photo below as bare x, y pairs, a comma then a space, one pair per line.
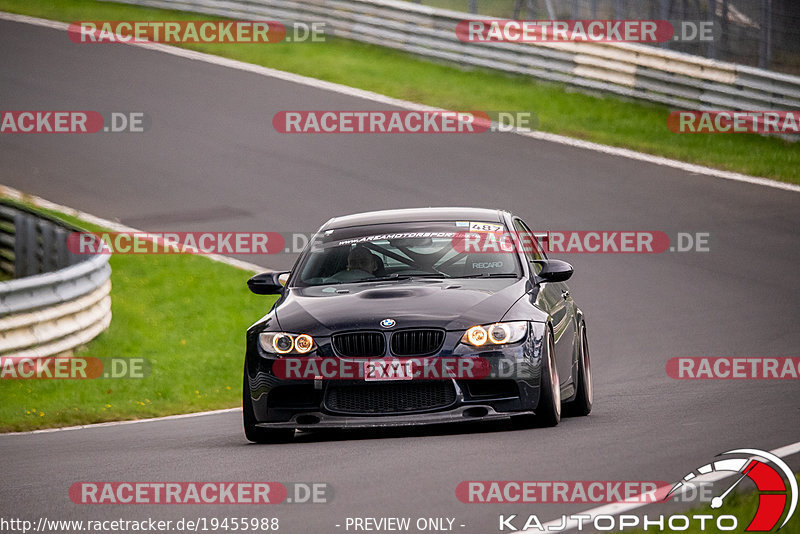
416, 316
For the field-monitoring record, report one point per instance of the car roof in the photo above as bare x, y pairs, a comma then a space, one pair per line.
416, 215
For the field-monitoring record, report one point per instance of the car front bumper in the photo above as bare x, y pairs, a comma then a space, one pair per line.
459, 414
304, 404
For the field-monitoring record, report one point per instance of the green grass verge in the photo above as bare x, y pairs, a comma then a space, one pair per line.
606, 120
185, 314
741, 505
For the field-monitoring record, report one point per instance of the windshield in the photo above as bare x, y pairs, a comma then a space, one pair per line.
463, 249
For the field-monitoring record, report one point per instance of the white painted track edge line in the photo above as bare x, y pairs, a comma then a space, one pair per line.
114, 226
405, 104
118, 423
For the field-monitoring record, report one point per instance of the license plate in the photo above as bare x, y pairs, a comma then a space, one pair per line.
376, 370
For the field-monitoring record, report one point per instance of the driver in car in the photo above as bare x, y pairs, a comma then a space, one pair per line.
362, 261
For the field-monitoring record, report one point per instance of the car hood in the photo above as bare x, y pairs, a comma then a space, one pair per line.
448, 304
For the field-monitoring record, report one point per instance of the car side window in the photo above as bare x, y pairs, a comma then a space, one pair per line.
530, 245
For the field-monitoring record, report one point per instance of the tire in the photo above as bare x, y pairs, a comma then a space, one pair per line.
584, 396
251, 431
548, 412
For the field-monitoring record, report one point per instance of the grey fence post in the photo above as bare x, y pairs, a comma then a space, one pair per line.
765, 50
531, 8
619, 10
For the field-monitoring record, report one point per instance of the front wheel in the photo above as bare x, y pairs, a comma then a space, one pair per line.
258, 434
548, 412
584, 396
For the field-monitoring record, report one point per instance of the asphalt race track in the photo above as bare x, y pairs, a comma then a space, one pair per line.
211, 161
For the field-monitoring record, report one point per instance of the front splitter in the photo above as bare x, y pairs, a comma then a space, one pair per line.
462, 414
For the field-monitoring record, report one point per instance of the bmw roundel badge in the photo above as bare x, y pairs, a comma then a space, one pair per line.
388, 323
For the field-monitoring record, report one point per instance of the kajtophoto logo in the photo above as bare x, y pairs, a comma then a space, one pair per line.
771, 486
776, 487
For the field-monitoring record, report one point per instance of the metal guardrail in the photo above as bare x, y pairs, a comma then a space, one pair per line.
56, 300
761, 33
676, 79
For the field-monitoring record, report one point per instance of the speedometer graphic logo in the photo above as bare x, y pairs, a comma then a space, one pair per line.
770, 483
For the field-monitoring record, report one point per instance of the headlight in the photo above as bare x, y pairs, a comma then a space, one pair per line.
283, 343
495, 334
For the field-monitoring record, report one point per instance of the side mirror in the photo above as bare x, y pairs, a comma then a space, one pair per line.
555, 271
267, 283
